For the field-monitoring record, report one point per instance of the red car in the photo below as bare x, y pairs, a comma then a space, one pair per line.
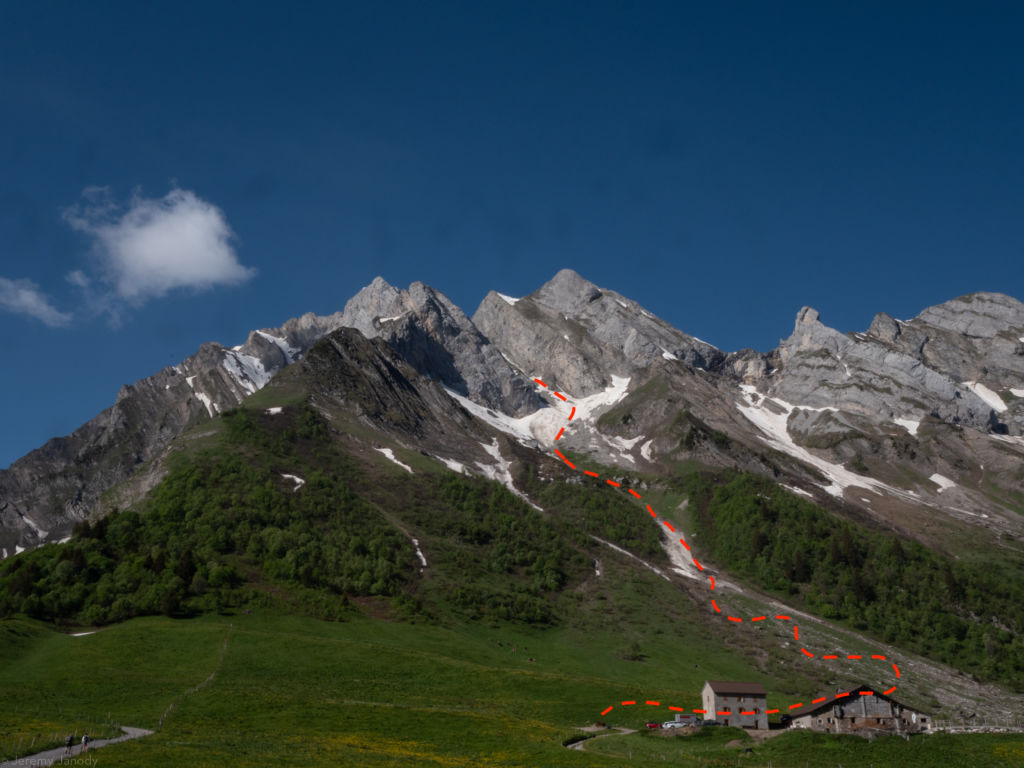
652, 726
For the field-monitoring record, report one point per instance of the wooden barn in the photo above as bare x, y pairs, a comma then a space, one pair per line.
860, 710
739, 704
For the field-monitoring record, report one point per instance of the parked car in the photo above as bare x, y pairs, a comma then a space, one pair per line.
711, 722
672, 724
653, 725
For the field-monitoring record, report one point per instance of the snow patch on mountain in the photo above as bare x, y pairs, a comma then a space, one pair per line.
645, 450
248, 371
942, 481
299, 482
502, 471
910, 425
291, 353
799, 491
540, 426
211, 407
668, 355
391, 455
35, 527
586, 406
621, 551
419, 553
1017, 392
453, 465
507, 299
994, 401
776, 434
273, 411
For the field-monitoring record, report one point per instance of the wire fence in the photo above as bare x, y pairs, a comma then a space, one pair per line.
51, 729
979, 725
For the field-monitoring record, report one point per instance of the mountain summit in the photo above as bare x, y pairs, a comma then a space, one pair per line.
872, 418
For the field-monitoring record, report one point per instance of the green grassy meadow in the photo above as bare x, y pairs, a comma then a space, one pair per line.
291, 690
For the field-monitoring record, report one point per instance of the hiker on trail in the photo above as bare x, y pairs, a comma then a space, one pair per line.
85, 742
68, 742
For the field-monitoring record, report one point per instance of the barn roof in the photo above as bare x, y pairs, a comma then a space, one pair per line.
726, 687
844, 696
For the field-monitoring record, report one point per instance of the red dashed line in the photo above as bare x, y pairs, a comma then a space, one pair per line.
886, 693
767, 711
867, 693
844, 693
711, 579
748, 713
653, 703
725, 712
565, 459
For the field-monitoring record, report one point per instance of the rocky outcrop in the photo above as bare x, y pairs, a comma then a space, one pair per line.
43, 494
862, 374
580, 335
434, 336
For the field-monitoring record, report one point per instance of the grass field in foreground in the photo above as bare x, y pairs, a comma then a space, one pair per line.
296, 691
800, 749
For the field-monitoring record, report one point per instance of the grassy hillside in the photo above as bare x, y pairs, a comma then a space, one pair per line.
265, 605
966, 612
289, 690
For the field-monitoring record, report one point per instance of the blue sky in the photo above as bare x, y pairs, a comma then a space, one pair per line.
178, 173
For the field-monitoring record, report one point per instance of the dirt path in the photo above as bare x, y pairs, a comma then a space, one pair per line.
55, 756
579, 744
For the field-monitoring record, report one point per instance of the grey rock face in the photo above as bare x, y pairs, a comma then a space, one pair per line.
43, 494
437, 339
580, 335
972, 338
861, 374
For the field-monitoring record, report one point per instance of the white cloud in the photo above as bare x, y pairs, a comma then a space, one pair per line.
155, 245
24, 298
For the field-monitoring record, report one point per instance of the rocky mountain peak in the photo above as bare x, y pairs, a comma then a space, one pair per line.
809, 333
567, 292
884, 327
982, 315
436, 337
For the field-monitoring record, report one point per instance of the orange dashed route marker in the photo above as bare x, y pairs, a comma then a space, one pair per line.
714, 603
